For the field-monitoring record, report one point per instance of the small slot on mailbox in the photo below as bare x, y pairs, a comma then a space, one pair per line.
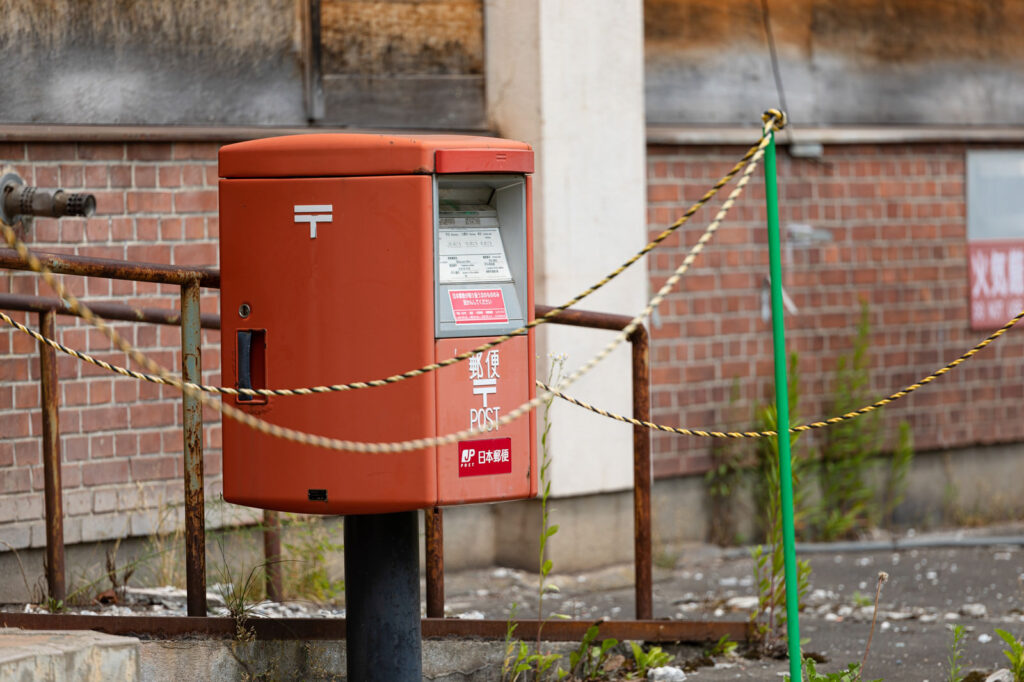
252, 366
317, 494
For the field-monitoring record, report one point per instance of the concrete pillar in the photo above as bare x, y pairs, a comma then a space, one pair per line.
567, 77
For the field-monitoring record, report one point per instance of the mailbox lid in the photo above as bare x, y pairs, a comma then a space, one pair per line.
349, 154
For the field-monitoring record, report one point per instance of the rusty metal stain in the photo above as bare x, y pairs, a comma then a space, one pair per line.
52, 489
864, 31
192, 427
65, 264
366, 37
334, 628
106, 310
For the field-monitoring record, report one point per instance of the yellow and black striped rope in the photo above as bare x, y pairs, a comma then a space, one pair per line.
777, 122
315, 440
803, 427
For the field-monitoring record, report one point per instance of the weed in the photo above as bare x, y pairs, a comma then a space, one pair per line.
769, 559
118, 578
548, 530
515, 662
518, 659
860, 600
811, 674
307, 573
652, 658
956, 654
882, 578
766, 461
723, 647
1014, 653
166, 545
849, 445
587, 661
28, 590
240, 594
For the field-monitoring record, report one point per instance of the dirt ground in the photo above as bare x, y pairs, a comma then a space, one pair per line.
973, 578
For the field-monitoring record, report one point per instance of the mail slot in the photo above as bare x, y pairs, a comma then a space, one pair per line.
351, 257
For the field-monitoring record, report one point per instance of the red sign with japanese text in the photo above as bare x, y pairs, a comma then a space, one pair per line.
483, 457
996, 274
478, 306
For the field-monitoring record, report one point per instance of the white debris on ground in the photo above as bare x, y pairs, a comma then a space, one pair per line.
666, 673
171, 601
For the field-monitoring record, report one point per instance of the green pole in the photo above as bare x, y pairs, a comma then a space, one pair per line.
782, 409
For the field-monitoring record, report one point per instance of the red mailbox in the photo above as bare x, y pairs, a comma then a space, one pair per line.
351, 257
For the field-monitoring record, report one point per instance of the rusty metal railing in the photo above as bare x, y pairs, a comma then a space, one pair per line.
190, 281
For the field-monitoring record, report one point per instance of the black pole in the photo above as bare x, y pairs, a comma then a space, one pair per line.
382, 597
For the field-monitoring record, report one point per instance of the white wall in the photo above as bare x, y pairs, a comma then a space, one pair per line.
567, 77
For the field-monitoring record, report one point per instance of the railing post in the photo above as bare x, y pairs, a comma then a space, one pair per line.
192, 426
433, 540
642, 476
51, 460
272, 555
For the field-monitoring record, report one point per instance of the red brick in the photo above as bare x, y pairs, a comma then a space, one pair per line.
669, 193
12, 151
171, 229
72, 232
195, 254
105, 472
28, 453
169, 176
26, 396
206, 151
152, 414
14, 425
100, 151
51, 151
95, 176
153, 468
71, 176
103, 418
144, 175
15, 481
120, 176
149, 151
193, 175
195, 201
149, 442
149, 202
47, 177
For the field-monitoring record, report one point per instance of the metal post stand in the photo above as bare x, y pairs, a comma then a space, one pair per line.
382, 597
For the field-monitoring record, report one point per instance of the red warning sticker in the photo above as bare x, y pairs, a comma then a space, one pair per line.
485, 457
478, 306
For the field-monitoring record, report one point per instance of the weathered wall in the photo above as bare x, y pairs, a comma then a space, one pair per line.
385, 63
161, 62
841, 61
404, 63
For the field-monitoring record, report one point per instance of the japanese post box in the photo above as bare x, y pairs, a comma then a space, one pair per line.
352, 257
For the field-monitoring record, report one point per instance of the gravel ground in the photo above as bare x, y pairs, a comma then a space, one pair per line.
928, 590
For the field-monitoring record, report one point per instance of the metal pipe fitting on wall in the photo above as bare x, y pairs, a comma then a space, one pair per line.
18, 200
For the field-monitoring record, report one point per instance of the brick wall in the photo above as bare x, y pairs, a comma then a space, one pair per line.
895, 216
121, 439
895, 219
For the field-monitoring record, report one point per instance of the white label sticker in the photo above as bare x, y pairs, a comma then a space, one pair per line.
471, 255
